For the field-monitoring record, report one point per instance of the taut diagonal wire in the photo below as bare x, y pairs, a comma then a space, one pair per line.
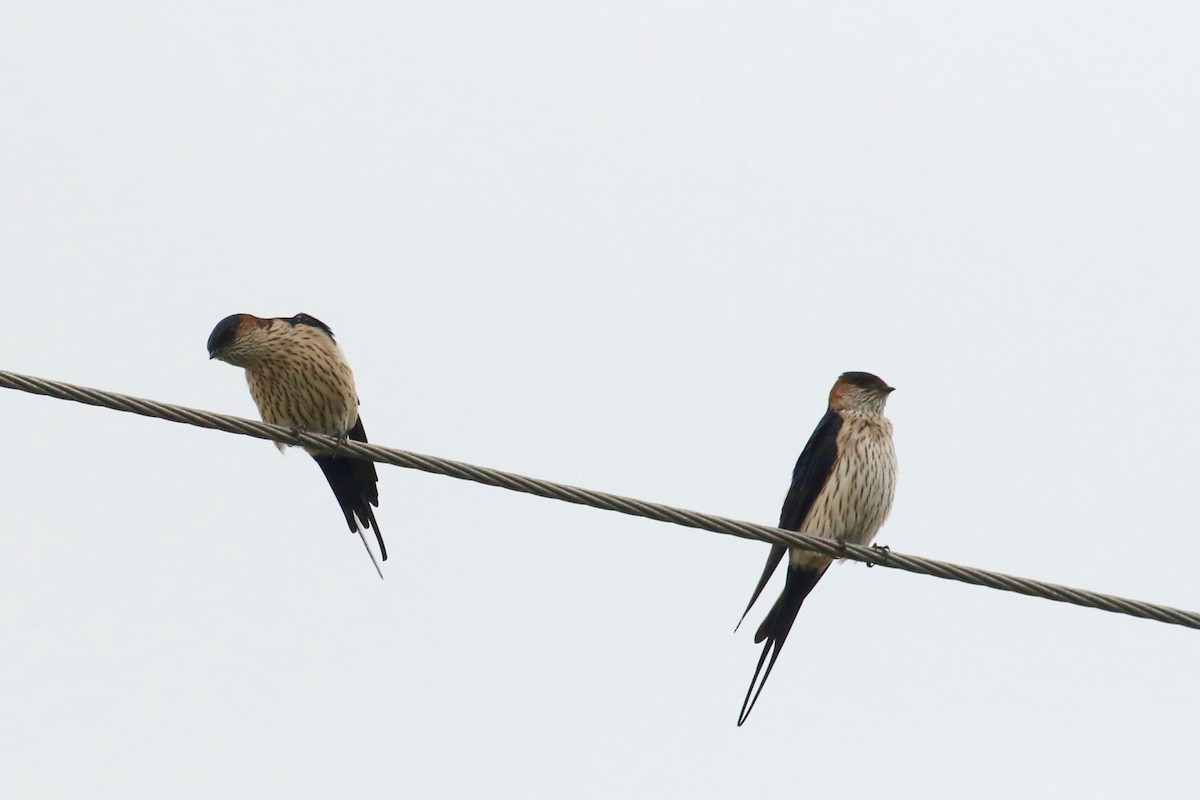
611, 502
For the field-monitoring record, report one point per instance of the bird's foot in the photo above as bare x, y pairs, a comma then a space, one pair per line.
883, 551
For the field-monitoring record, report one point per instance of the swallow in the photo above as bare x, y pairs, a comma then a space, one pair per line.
842, 489
299, 379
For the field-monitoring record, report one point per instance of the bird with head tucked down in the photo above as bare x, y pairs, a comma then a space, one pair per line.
299, 379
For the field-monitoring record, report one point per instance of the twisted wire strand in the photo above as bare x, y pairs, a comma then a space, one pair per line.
870, 555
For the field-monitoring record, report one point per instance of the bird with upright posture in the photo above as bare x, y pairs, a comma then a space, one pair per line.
842, 489
299, 379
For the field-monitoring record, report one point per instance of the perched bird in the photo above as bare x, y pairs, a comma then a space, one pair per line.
299, 379
842, 489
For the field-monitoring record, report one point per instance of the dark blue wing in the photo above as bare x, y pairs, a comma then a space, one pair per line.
813, 469
808, 478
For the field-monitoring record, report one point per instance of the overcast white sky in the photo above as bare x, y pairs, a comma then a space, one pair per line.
628, 247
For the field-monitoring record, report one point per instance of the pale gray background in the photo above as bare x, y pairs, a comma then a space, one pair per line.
628, 247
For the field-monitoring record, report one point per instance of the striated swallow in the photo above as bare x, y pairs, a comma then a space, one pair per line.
842, 488
299, 379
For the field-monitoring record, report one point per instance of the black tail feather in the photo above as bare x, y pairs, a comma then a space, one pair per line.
355, 484
777, 551
776, 627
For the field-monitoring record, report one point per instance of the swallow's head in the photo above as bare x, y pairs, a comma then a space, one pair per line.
859, 391
236, 338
